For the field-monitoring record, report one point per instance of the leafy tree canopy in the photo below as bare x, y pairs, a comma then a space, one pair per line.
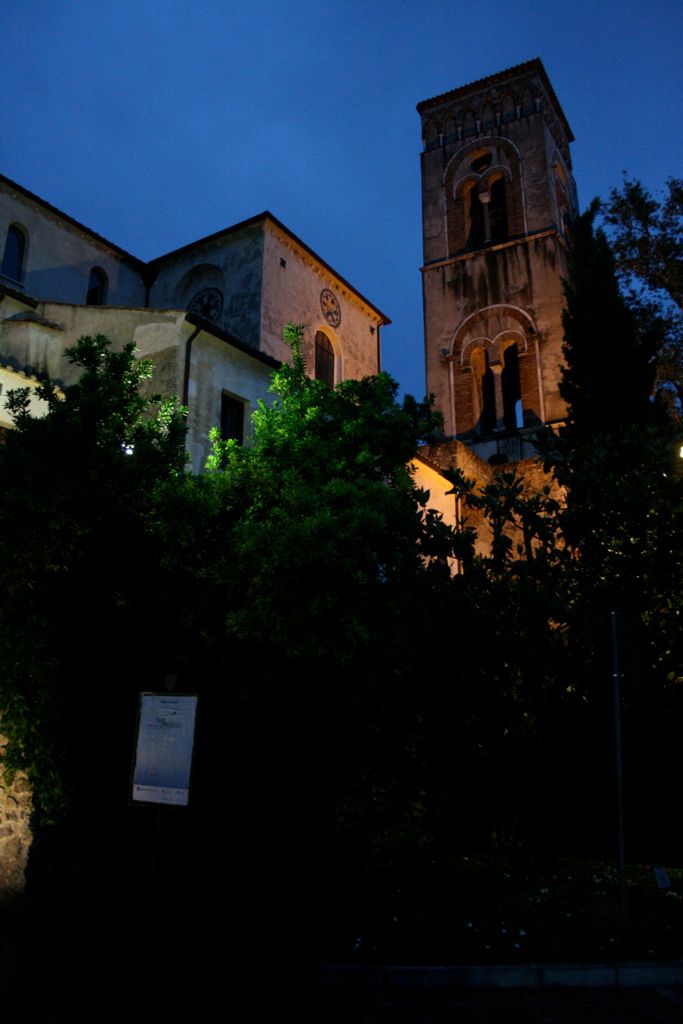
646, 233
329, 519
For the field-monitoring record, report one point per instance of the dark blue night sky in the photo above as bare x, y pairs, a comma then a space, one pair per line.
156, 123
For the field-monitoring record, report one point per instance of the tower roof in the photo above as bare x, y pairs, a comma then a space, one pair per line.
500, 77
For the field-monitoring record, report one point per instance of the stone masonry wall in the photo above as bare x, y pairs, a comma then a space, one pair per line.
15, 832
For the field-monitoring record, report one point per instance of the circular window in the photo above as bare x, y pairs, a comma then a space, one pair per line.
208, 304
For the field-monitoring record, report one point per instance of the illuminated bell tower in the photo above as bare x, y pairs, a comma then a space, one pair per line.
498, 198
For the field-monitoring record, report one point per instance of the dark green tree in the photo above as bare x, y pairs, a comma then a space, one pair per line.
328, 571
318, 581
646, 233
618, 458
616, 453
607, 533
79, 487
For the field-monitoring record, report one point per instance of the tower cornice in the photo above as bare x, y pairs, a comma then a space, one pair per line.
534, 66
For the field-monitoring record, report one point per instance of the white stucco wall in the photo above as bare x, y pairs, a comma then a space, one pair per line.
217, 366
159, 335
59, 257
39, 348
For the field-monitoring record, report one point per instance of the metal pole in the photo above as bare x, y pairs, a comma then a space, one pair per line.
616, 681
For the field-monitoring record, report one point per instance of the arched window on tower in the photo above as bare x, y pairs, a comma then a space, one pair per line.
97, 288
324, 359
485, 391
498, 219
432, 136
475, 218
507, 109
488, 118
512, 392
13, 257
469, 125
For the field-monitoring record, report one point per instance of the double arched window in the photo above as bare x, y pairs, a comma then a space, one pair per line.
497, 397
483, 196
13, 257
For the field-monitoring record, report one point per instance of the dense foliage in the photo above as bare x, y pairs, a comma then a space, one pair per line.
295, 586
606, 535
329, 577
646, 233
78, 489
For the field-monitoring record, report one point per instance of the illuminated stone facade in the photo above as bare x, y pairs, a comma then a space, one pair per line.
497, 201
498, 198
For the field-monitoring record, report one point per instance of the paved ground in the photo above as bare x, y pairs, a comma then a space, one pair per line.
147, 972
170, 996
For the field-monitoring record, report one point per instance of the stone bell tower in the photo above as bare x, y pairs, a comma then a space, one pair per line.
498, 198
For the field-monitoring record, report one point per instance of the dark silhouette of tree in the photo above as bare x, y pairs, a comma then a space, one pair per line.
79, 487
646, 233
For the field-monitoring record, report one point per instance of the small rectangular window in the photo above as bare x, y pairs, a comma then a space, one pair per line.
232, 418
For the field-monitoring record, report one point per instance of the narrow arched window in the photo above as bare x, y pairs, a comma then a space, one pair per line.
324, 359
498, 211
13, 258
477, 233
488, 395
97, 288
512, 392
485, 391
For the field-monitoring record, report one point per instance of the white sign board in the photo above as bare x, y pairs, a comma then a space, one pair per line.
163, 752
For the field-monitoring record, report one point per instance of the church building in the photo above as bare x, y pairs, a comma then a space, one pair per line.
209, 315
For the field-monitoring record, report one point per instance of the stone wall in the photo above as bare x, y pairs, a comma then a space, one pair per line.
293, 282
433, 459
482, 294
15, 832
